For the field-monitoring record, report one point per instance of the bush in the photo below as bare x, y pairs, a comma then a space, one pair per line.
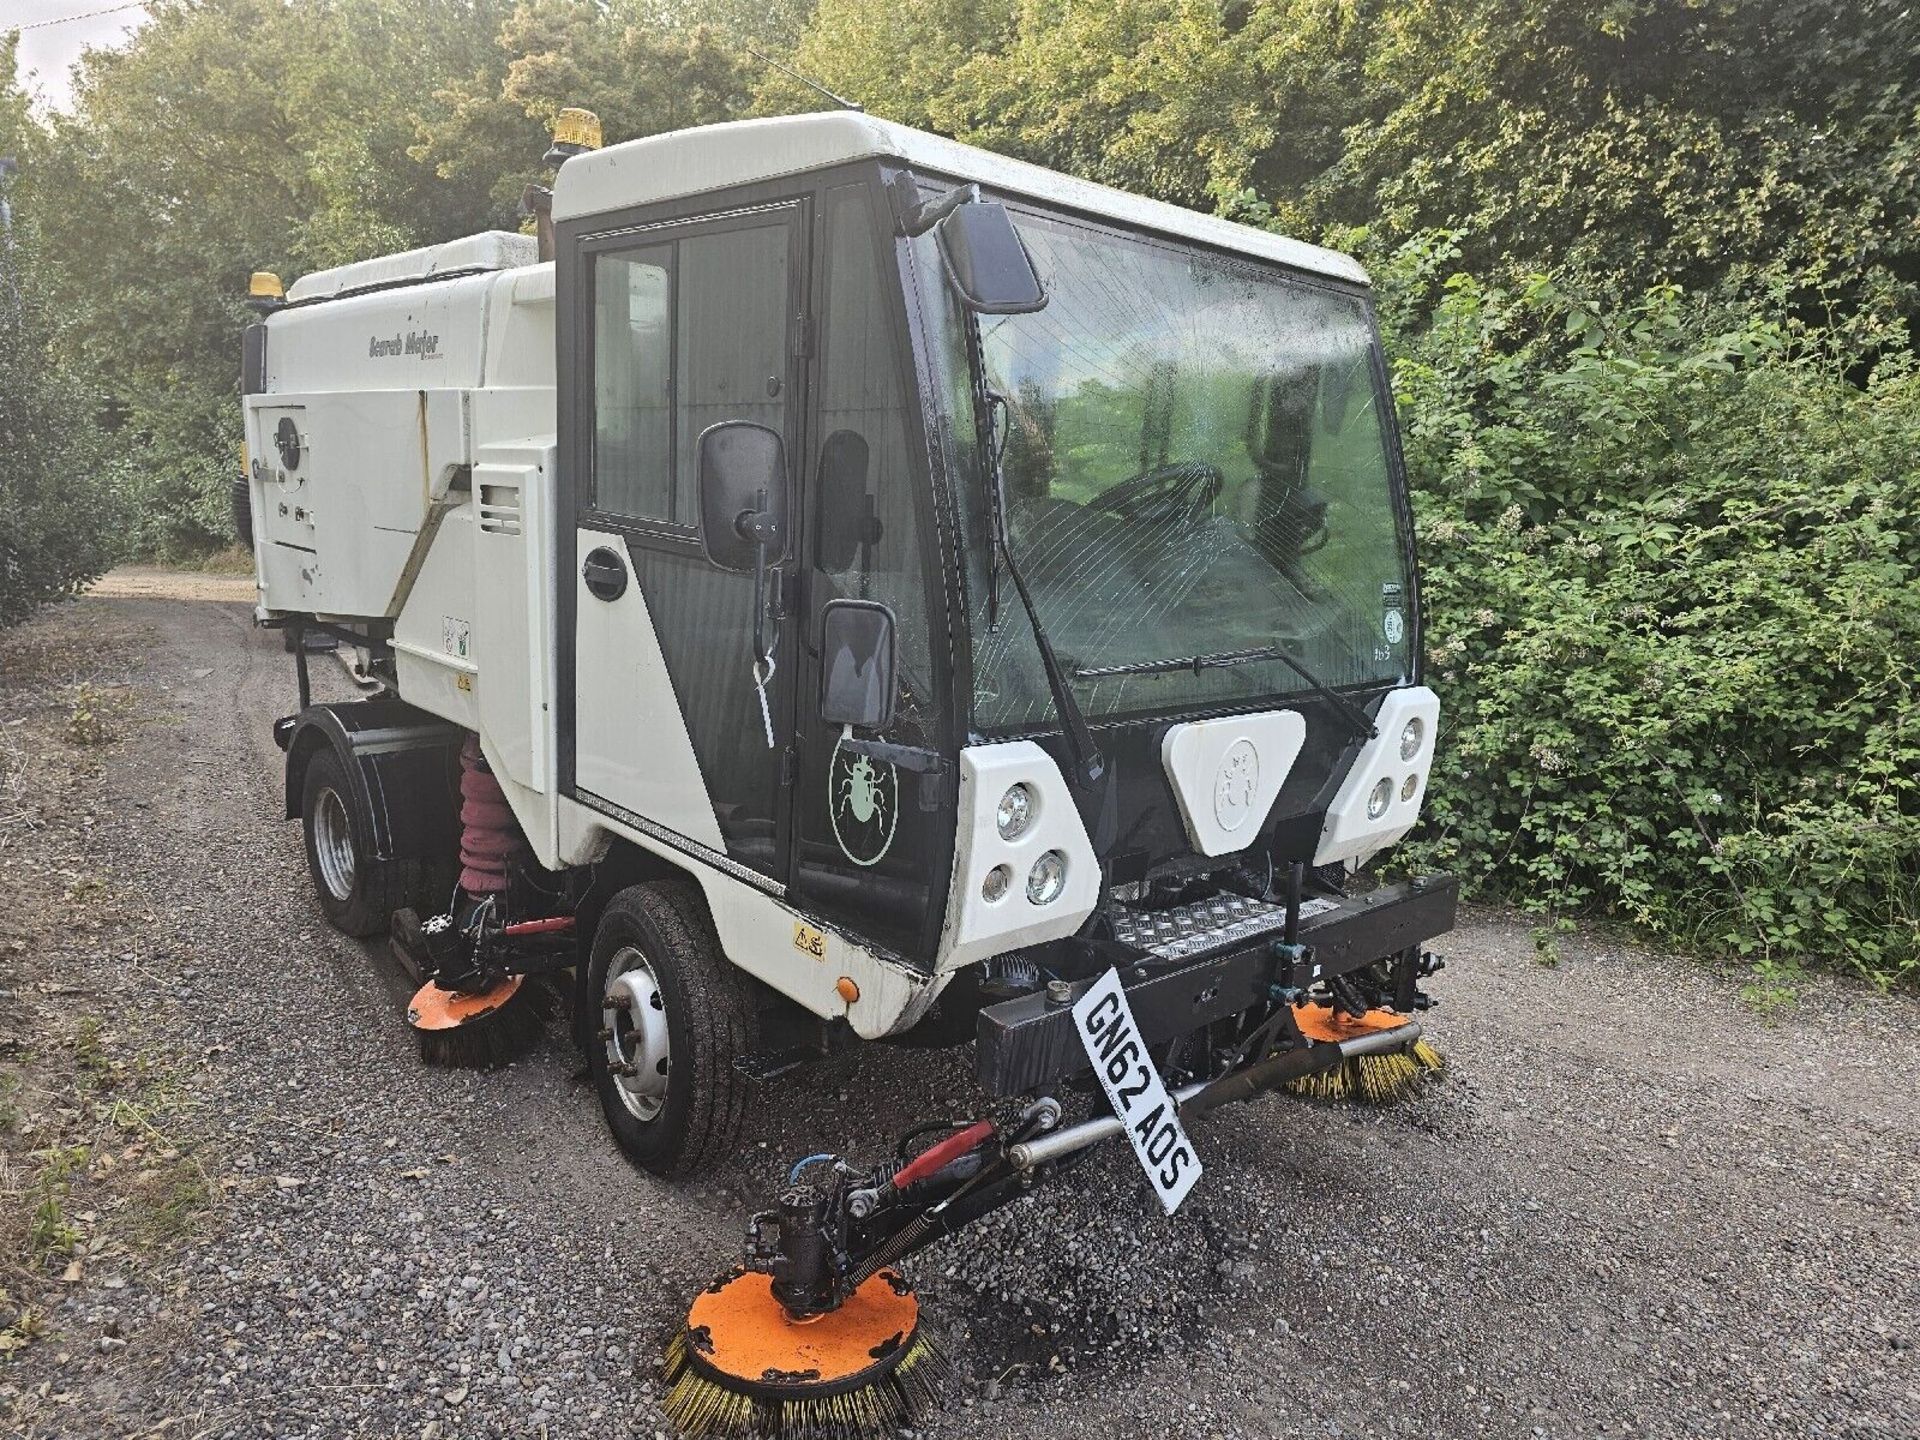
1672, 586
186, 451
59, 485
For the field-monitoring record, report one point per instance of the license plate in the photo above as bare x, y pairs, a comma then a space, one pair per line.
1134, 1088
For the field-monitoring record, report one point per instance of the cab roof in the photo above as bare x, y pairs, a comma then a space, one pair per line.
715, 157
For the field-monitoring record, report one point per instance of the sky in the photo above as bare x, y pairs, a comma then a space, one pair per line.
49, 51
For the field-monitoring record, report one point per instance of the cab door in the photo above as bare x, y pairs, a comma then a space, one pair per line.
690, 324
873, 832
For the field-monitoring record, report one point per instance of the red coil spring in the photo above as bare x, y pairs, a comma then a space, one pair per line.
488, 835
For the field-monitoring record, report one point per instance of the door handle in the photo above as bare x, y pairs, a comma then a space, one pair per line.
605, 574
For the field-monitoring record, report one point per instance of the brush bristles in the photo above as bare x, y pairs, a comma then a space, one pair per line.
1374, 1079
493, 1040
700, 1405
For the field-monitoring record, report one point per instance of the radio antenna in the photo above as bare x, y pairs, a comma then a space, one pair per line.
840, 100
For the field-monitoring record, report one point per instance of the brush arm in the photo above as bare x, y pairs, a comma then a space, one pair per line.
838, 1226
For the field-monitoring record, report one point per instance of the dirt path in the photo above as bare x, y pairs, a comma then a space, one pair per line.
1634, 1208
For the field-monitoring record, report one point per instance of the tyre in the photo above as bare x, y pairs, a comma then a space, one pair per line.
240, 502
674, 1015
358, 892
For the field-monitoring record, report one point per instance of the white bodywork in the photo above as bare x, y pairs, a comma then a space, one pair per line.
424, 494
1226, 774
420, 417
1349, 832
491, 250
976, 926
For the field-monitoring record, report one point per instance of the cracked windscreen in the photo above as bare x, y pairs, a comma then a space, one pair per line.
1195, 471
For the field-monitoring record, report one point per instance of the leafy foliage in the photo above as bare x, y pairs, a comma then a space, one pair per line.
1673, 591
241, 135
1749, 149
1668, 533
58, 487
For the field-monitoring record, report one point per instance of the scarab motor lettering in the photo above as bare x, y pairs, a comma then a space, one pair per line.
414, 342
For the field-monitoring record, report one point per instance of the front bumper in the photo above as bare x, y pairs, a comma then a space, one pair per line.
1031, 1041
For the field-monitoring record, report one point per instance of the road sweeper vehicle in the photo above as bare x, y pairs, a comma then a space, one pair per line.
838, 585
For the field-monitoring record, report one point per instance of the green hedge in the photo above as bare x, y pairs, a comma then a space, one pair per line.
1672, 581
60, 483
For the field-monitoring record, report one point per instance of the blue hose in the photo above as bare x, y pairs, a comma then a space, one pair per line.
799, 1165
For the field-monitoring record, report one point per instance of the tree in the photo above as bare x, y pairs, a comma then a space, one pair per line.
1745, 148
58, 490
241, 135
641, 70
234, 135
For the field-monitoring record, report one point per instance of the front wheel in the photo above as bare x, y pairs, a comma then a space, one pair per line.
674, 1015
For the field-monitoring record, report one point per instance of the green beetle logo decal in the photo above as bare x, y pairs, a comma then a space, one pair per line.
863, 805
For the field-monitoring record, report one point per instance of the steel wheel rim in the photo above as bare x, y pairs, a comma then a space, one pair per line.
633, 1017
333, 844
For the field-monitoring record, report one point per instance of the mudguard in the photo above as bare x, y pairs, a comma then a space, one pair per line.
403, 763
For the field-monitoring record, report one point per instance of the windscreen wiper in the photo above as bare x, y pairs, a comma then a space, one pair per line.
1088, 762
1350, 712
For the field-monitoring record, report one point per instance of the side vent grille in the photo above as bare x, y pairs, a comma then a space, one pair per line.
500, 509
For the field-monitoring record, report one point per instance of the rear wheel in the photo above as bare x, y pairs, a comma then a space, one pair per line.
358, 891
673, 1016
240, 503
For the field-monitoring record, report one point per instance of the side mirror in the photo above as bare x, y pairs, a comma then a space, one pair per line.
987, 261
743, 495
857, 661
848, 525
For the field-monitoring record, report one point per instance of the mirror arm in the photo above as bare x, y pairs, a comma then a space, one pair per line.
753, 525
869, 533
908, 757
916, 216
760, 601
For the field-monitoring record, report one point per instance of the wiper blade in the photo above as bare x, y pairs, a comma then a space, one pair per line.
1196, 663
1350, 712
1088, 763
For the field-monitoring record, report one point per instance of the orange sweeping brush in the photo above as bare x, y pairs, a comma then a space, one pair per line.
1376, 1079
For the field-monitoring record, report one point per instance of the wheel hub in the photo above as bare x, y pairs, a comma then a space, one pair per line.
333, 844
634, 1019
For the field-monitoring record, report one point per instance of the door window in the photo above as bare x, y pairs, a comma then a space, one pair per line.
866, 505
870, 834
633, 383
687, 333
692, 327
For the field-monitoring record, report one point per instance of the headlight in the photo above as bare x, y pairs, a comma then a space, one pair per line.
1015, 813
1411, 734
994, 887
1408, 786
1378, 801
1047, 878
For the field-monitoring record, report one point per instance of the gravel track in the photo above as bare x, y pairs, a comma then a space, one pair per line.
1633, 1207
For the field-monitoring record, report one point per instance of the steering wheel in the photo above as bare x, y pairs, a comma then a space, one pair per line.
1184, 490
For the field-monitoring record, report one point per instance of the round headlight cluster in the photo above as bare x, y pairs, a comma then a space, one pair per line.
1378, 801
1048, 878
1411, 734
1014, 814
